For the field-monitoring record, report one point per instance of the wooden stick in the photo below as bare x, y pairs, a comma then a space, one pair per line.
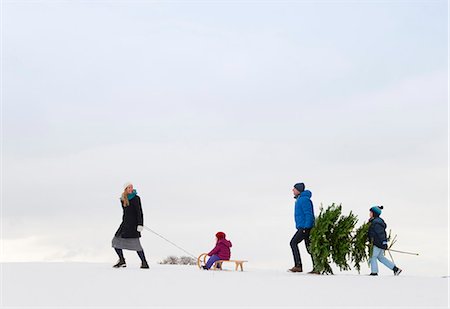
412, 253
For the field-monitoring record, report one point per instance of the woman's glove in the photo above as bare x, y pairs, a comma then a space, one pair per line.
140, 228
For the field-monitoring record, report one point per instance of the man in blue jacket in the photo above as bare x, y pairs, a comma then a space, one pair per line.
304, 221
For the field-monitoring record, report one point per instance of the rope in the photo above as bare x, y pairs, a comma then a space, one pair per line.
190, 254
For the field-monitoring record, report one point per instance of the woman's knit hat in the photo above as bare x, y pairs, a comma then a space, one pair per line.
376, 210
220, 235
127, 184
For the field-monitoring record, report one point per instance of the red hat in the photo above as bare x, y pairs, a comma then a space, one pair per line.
220, 235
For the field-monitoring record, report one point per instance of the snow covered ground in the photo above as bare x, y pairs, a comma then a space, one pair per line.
99, 285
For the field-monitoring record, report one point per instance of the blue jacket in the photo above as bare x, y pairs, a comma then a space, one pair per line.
304, 211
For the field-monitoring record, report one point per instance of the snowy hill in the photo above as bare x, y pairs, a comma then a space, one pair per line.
92, 285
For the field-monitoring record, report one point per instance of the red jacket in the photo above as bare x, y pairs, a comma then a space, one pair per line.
222, 249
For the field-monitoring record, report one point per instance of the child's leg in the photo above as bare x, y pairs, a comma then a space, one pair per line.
373, 260
211, 261
385, 261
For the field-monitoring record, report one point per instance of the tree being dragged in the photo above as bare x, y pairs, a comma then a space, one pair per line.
361, 247
333, 240
321, 238
342, 240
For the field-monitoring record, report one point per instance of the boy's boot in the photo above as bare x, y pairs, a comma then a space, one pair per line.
397, 271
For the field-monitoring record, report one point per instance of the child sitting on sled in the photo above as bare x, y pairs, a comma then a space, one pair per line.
220, 252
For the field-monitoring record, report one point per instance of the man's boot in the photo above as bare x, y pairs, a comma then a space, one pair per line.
296, 269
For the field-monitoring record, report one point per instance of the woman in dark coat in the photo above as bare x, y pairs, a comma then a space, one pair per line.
129, 232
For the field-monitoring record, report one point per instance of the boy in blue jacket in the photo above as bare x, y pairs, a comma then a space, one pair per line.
377, 235
304, 221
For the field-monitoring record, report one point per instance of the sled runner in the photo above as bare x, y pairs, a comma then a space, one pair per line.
201, 260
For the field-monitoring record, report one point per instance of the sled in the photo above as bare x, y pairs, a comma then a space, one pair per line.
201, 260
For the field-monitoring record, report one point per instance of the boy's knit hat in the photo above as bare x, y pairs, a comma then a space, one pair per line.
376, 210
220, 235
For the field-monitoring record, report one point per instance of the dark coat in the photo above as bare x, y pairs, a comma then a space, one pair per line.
132, 217
377, 232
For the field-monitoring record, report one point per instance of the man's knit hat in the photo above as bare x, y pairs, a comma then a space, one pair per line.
300, 187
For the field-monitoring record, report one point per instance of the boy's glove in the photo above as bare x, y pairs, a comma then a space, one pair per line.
140, 228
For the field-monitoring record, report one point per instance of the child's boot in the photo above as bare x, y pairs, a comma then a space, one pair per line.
397, 271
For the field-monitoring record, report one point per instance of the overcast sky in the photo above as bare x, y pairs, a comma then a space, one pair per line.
214, 110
